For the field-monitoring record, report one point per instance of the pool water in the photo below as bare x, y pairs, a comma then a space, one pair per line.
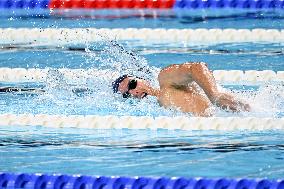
229, 56
265, 97
139, 152
142, 152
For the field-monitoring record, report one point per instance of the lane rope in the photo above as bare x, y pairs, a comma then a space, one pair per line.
140, 4
241, 4
190, 36
40, 75
112, 4
53, 181
143, 122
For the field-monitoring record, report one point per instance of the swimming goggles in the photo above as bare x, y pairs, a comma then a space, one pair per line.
132, 84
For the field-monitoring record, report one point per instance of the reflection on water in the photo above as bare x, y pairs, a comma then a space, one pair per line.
137, 146
142, 152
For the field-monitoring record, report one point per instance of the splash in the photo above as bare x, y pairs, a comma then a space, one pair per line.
268, 100
116, 57
109, 60
265, 99
92, 95
91, 92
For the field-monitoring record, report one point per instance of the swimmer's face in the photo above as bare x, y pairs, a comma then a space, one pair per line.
132, 86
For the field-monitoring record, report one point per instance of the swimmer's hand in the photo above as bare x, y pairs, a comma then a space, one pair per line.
228, 102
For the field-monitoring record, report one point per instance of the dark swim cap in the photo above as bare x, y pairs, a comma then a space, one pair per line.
115, 84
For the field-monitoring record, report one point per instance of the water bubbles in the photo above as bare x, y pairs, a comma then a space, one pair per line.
269, 99
55, 79
90, 92
265, 101
115, 56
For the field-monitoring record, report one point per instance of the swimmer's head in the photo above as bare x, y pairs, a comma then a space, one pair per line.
129, 85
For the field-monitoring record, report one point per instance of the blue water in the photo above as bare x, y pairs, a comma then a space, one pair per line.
229, 56
139, 152
227, 18
142, 152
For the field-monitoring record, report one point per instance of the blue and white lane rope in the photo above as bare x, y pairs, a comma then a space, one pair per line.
57, 181
188, 36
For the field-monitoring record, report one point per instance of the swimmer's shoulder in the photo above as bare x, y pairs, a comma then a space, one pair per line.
165, 76
177, 76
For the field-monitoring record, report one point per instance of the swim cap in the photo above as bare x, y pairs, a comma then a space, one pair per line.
115, 84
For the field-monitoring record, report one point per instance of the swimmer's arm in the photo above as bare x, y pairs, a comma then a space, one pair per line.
205, 79
175, 75
184, 73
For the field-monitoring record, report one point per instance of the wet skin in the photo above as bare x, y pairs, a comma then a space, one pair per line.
189, 87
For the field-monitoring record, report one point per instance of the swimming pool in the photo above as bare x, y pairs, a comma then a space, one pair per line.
131, 152
108, 60
144, 18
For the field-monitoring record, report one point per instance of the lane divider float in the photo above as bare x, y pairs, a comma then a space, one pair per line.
142, 122
40, 75
86, 35
53, 181
112, 4
240, 4
140, 4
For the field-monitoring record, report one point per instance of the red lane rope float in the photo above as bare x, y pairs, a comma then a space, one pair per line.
111, 4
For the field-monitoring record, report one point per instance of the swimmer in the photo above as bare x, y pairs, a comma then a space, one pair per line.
189, 87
